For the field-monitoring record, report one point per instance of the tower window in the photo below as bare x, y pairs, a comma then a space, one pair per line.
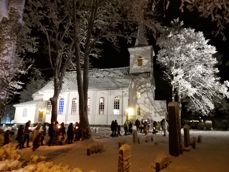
140, 60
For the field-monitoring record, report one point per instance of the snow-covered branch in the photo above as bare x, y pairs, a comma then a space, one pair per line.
190, 65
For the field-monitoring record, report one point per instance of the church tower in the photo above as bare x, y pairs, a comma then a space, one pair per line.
141, 89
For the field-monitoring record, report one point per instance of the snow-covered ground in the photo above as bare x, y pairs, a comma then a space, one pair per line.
211, 155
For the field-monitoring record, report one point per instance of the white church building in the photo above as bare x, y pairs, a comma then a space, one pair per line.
113, 94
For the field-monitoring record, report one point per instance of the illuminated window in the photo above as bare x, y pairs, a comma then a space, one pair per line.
116, 106
49, 107
101, 105
61, 106
88, 104
74, 106
140, 60
24, 114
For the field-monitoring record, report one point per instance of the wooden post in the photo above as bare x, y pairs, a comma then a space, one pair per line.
124, 158
186, 136
174, 129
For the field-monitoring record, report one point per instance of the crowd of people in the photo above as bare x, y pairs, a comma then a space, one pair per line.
44, 134
57, 134
142, 126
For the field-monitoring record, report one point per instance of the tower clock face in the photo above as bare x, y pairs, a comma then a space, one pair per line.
140, 59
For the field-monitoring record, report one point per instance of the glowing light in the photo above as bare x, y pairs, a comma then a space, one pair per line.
130, 111
58, 126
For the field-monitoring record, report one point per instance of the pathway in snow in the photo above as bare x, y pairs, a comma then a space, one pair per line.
211, 155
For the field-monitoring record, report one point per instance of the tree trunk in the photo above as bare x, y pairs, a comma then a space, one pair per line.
82, 85
54, 109
54, 99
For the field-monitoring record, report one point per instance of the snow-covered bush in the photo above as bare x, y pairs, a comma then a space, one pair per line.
9, 152
11, 160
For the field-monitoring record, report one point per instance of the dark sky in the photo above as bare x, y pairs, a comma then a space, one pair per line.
119, 57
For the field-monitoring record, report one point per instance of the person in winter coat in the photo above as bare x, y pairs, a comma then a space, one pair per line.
126, 127
36, 137
20, 137
6, 137
70, 133
51, 133
27, 133
62, 133
77, 131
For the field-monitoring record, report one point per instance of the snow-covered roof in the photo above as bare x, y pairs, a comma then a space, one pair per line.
113, 78
32, 102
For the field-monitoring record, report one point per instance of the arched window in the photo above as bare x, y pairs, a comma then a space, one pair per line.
116, 105
49, 107
88, 105
74, 106
101, 105
61, 106
24, 113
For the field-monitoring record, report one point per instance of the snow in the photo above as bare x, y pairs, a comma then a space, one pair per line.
211, 155
112, 78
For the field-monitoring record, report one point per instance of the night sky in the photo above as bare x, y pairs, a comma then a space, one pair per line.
119, 56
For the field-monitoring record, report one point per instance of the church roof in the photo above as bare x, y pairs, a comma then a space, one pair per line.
113, 78
32, 102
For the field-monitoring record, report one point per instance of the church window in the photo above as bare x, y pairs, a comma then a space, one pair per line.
61, 106
101, 105
140, 60
88, 104
49, 107
24, 114
116, 105
74, 106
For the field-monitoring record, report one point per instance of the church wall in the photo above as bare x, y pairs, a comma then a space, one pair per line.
25, 113
108, 116
92, 106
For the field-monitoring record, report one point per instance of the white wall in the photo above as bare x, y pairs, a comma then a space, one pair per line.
31, 111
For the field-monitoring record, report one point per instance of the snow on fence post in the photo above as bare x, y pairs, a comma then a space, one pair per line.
124, 158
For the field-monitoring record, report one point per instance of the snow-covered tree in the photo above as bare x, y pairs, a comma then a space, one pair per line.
11, 66
191, 67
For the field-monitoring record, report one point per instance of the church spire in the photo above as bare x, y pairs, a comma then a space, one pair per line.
141, 39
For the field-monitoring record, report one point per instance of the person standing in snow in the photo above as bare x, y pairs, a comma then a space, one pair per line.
51, 133
62, 133
36, 137
126, 127
20, 137
27, 133
70, 133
